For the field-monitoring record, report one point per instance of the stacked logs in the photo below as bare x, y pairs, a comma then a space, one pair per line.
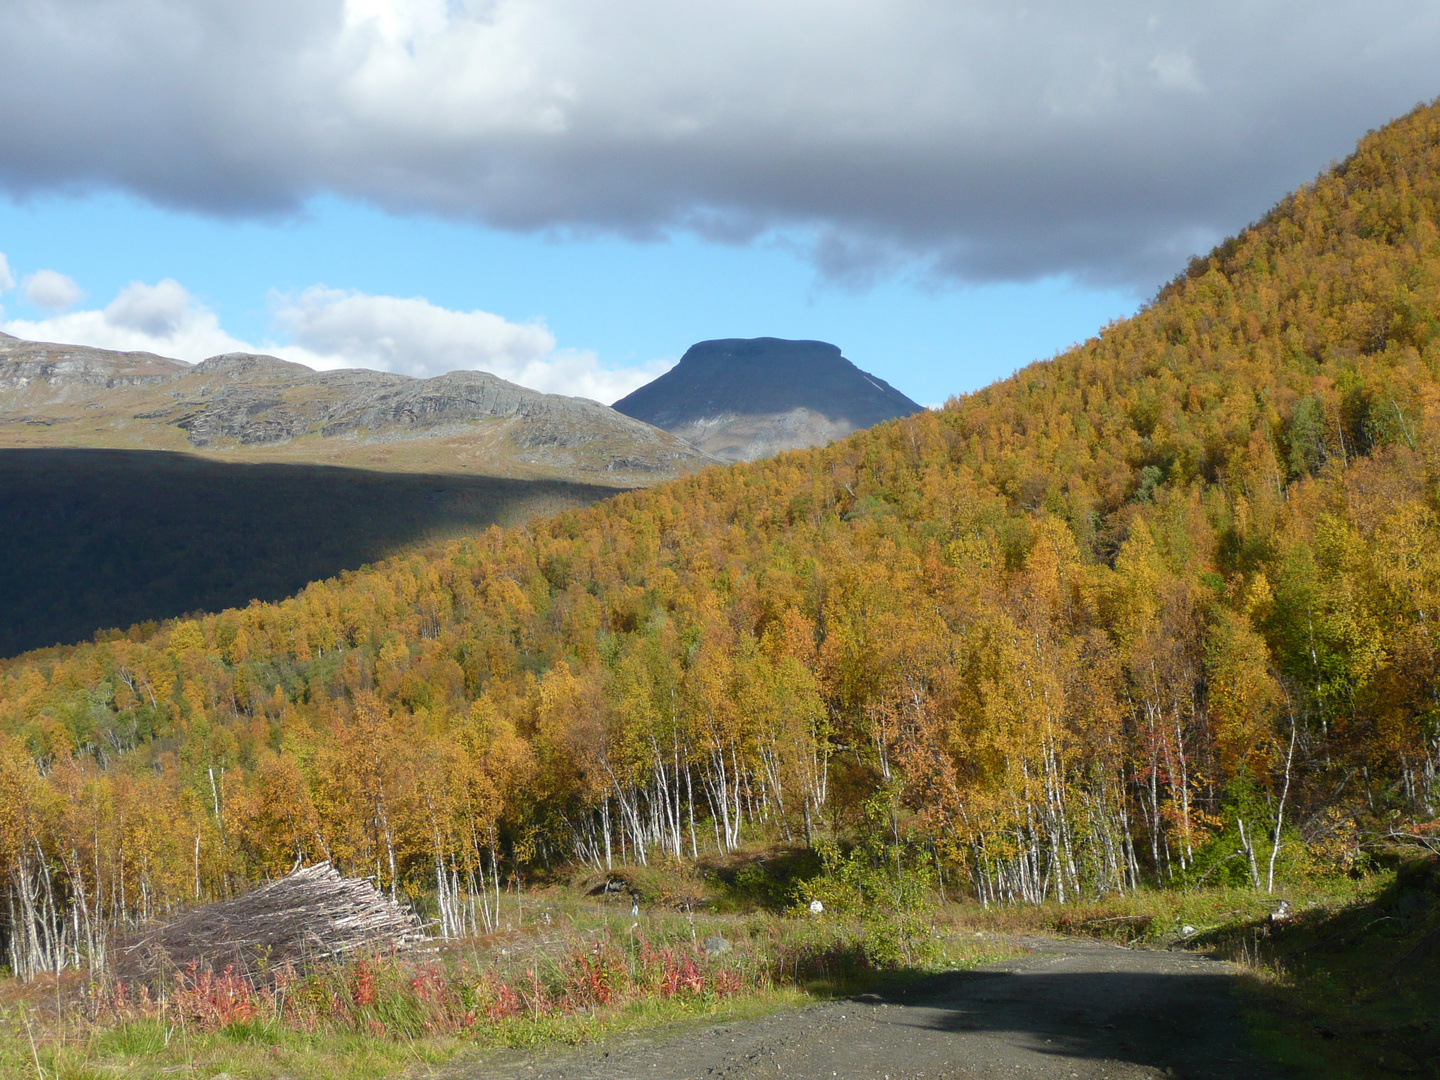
307, 917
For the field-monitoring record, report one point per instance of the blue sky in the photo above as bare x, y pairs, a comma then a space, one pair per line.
627, 301
569, 194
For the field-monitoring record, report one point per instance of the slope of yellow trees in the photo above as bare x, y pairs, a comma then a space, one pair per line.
1179, 583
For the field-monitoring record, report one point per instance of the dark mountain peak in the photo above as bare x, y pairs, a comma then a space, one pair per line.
763, 376
749, 397
768, 348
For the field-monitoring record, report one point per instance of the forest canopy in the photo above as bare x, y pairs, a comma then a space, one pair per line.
1176, 586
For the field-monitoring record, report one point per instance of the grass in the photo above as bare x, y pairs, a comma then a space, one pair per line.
1159, 916
1349, 990
149, 1048
1342, 990
576, 971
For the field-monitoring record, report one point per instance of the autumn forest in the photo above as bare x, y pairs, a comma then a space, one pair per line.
1160, 609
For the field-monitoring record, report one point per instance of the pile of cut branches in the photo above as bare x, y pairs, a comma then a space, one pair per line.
304, 918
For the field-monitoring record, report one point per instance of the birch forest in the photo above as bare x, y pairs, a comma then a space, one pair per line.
1161, 609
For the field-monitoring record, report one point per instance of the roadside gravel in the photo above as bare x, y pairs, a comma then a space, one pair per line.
1071, 1010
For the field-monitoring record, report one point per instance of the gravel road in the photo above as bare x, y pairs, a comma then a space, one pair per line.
1074, 1010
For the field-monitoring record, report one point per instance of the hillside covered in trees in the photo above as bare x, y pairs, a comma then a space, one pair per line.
1167, 597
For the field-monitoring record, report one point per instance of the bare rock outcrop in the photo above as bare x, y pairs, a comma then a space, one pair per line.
61, 369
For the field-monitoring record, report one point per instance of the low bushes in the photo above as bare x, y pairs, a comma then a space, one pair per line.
392, 994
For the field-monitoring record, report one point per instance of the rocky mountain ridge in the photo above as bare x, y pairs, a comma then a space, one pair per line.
32, 364
243, 405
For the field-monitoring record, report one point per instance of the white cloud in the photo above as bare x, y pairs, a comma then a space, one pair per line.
411, 336
330, 328
7, 279
51, 290
162, 318
986, 139
159, 310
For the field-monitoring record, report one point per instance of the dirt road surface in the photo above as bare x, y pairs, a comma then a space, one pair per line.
1072, 1010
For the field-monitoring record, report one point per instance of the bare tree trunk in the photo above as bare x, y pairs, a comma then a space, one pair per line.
1280, 811
690, 795
1249, 850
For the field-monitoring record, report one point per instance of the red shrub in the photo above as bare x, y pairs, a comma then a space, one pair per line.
498, 999
214, 1002
363, 984
594, 977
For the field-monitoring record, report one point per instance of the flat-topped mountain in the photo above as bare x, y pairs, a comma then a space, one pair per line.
746, 398
260, 408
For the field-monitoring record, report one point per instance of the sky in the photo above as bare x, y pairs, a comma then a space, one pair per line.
569, 194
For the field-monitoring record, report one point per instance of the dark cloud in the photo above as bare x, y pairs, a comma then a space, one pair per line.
982, 140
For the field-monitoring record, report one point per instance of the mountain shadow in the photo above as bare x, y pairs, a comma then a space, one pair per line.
109, 538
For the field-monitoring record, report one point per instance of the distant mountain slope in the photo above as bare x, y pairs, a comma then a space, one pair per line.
742, 399
259, 408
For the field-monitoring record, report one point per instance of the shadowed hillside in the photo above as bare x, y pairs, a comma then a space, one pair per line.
109, 538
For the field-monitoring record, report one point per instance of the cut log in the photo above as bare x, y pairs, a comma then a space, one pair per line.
310, 916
